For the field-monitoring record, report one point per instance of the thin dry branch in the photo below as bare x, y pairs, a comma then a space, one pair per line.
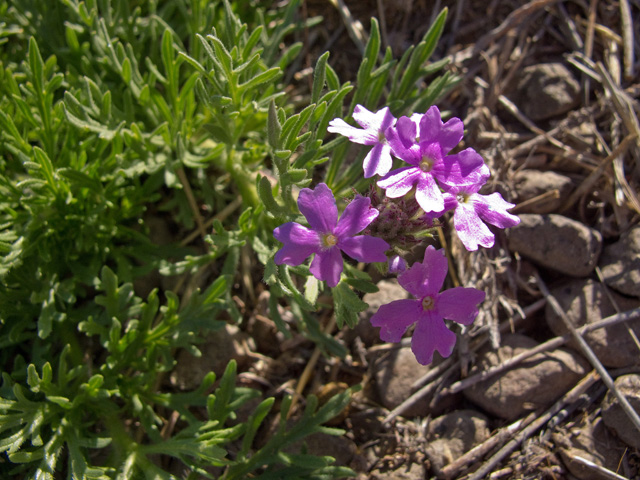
354, 27
553, 343
572, 396
586, 350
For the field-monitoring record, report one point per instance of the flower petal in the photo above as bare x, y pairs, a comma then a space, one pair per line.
402, 139
394, 318
327, 265
428, 194
460, 304
378, 161
464, 168
356, 217
354, 134
299, 243
432, 129
426, 277
364, 248
493, 209
374, 122
470, 228
398, 182
319, 207
431, 334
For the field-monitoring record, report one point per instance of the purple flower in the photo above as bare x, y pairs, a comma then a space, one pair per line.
378, 160
328, 236
471, 209
429, 308
427, 155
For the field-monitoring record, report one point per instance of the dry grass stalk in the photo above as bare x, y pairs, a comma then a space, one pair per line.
586, 350
597, 469
588, 183
354, 27
551, 344
572, 396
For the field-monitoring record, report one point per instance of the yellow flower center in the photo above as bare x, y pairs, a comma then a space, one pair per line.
427, 303
462, 197
329, 240
426, 164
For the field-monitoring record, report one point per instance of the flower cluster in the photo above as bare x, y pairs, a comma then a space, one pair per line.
430, 182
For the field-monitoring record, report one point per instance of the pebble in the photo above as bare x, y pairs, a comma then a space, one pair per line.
452, 435
615, 418
546, 90
586, 301
532, 183
556, 242
394, 375
535, 383
620, 263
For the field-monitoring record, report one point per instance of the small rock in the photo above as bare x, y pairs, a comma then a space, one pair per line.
394, 376
620, 263
536, 382
615, 417
217, 350
547, 90
389, 290
533, 183
452, 435
585, 302
557, 242
591, 441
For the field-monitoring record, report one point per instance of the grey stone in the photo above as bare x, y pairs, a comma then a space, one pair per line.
620, 263
615, 418
533, 183
534, 383
585, 302
556, 242
394, 375
547, 90
452, 435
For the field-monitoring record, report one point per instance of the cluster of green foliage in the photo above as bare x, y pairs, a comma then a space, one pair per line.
113, 109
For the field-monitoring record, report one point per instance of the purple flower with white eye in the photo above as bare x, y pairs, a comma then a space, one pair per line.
328, 236
428, 309
471, 208
378, 160
425, 145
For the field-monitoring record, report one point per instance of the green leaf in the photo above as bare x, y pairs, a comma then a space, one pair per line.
253, 424
319, 75
273, 127
260, 79
266, 195
347, 305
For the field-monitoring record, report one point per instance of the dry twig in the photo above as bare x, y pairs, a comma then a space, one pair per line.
586, 350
